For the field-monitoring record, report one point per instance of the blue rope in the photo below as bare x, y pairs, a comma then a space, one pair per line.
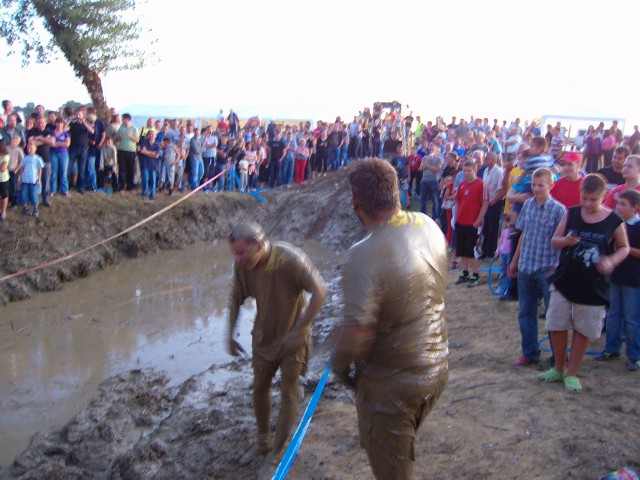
548, 349
234, 175
292, 450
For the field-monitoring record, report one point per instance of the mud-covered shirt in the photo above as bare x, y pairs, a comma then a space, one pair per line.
279, 292
395, 280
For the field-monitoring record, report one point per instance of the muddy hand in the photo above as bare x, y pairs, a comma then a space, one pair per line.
236, 350
292, 342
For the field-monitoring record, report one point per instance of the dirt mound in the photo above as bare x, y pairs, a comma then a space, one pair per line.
320, 210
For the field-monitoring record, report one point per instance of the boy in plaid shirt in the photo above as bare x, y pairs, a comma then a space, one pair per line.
534, 259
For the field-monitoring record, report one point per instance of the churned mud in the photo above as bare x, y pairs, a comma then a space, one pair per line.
493, 421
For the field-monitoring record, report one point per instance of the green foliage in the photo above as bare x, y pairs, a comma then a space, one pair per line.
93, 35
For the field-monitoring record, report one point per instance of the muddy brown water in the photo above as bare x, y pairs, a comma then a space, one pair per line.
167, 311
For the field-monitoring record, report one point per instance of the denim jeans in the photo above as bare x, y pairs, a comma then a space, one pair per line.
218, 183
623, 317
59, 167
92, 179
14, 189
429, 191
29, 194
78, 166
148, 179
503, 282
344, 156
334, 157
197, 172
286, 170
529, 285
274, 172
45, 183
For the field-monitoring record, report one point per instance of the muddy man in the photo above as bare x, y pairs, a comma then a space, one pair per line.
394, 331
277, 276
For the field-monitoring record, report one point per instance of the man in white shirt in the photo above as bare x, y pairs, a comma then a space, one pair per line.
512, 144
492, 179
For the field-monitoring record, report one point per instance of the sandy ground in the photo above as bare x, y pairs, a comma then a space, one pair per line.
493, 421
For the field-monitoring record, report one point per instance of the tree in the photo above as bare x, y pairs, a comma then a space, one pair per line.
95, 37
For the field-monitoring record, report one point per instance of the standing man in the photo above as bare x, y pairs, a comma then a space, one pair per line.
234, 124
393, 284
276, 275
79, 131
41, 136
492, 178
431, 165
126, 140
613, 173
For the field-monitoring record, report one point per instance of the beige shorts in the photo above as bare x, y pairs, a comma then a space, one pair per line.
565, 315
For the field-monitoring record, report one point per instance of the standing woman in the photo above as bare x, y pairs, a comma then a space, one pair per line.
251, 156
322, 152
302, 155
263, 164
592, 151
366, 140
59, 154
4, 180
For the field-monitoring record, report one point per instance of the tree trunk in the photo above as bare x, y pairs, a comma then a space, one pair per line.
91, 80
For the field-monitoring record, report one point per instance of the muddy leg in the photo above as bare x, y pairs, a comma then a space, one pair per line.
290, 370
262, 376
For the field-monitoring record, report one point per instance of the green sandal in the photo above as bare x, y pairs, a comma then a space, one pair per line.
552, 375
572, 384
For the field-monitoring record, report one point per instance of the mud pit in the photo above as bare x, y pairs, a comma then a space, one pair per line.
493, 421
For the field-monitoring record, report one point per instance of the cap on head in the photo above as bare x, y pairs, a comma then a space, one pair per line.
572, 157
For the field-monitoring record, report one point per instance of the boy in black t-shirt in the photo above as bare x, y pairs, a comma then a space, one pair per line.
623, 315
579, 291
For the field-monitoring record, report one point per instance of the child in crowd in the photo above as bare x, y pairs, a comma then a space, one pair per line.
251, 156
243, 172
31, 172
533, 159
16, 154
623, 316
472, 201
401, 165
503, 252
109, 162
170, 156
567, 189
415, 175
579, 291
4, 180
534, 260
448, 203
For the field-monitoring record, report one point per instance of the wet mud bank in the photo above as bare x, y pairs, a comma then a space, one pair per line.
319, 211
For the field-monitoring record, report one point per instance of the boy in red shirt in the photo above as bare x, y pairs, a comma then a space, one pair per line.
631, 175
472, 201
567, 189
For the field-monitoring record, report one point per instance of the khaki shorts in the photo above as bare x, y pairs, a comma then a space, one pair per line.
565, 315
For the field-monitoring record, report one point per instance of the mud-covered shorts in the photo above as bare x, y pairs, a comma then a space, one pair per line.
388, 437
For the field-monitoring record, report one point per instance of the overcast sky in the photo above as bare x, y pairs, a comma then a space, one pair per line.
288, 58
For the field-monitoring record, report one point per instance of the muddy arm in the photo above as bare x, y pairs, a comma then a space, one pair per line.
296, 338
354, 342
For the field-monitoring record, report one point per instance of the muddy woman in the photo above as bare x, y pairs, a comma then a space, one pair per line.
394, 331
276, 275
